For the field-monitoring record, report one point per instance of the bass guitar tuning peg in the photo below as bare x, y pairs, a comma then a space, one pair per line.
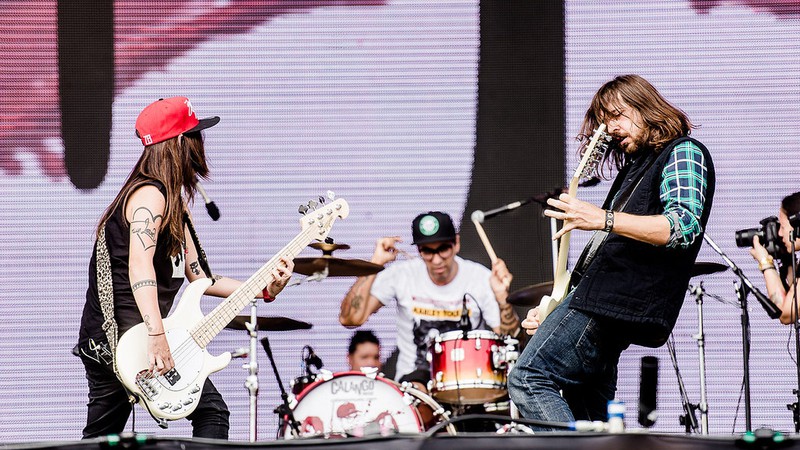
331, 196
321, 200
313, 204
303, 209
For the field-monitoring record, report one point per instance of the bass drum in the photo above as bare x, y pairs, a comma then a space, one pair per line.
354, 404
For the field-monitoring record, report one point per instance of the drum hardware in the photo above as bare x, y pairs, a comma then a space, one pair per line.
743, 288
274, 323
335, 267
251, 382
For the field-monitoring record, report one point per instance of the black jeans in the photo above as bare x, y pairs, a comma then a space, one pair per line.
109, 408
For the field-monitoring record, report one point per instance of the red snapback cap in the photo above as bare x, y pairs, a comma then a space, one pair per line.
167, 118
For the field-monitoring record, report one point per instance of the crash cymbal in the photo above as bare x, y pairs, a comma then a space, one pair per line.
530, 295
337, 267
706, 268
327, 248
274, 323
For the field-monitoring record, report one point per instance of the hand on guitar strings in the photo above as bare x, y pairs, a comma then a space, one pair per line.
576, 214
280, 276
159, 357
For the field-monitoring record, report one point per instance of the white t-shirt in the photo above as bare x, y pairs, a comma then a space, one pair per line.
425, 310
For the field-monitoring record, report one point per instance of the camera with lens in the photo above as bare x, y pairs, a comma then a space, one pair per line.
768, 236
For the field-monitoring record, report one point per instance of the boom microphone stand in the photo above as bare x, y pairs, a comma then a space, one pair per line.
742, 290
284, 411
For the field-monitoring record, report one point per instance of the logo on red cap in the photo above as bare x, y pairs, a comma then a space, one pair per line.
169, 118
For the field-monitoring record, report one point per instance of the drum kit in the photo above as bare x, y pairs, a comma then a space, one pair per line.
469, 369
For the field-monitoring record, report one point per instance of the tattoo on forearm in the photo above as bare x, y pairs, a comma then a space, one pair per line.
217, 277
776, 298
194, 266
147, 322
508, 317
145, 227
355, 304
142, 283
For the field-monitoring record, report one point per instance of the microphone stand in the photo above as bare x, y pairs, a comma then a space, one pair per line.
742, 290
284, 411
251, 382
688, 419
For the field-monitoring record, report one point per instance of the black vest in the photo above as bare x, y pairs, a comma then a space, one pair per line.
638, 285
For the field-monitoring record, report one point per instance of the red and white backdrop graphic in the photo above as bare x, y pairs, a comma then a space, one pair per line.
377, 102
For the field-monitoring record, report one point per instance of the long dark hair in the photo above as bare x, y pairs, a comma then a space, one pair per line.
663, 122
791, 204
176, 163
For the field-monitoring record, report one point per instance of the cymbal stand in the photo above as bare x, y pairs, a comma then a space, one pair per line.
284, 411
698, 292
251, 382
688, 419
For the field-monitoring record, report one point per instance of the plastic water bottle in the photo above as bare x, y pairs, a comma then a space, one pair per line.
616, 416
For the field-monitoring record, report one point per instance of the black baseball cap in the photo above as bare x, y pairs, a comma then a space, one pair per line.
432, 226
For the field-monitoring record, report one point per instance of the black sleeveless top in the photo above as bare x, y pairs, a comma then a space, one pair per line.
169, 277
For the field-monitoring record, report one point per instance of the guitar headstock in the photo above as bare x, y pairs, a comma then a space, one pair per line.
593, 155
321, 213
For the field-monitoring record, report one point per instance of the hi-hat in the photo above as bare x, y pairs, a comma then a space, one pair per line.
274, 323
706, 268
530, 295
337, 267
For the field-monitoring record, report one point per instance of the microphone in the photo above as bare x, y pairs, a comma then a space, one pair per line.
648, 386
211, 207
479, 216
464, 323
312, 360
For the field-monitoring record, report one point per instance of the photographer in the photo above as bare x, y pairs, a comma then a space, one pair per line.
780, 285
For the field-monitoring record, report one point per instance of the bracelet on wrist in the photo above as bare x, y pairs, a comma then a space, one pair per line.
766, 263
609, 223
764, 270
267, 297
156, 334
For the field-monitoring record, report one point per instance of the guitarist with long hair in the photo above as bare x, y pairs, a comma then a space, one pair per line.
631, 280
145, 248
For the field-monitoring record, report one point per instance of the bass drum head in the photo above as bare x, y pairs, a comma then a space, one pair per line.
353, 404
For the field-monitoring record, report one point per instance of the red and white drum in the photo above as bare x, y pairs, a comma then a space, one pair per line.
468, 370
355, 404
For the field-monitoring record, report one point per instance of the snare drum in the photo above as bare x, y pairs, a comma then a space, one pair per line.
355, 404
468, 370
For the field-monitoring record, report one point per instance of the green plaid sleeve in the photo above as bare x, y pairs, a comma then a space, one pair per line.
683, 193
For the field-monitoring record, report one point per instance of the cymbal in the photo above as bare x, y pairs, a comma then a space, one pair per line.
327, 248
706, 268
337, 267
274, 323
530, 295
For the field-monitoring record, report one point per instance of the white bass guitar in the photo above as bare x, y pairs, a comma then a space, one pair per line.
175, 394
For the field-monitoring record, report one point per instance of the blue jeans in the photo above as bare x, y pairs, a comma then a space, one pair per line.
574, 353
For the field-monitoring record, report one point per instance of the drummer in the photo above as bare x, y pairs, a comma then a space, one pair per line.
432, 293
364, 351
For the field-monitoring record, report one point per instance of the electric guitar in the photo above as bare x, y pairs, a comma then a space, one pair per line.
175, 394
593, 155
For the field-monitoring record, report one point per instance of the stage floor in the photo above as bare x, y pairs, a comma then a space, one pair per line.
763, 439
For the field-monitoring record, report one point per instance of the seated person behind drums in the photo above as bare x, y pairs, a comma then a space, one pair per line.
430, 292
364, 350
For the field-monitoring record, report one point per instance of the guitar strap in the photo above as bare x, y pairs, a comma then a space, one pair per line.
201, 254
599, 237
105, 292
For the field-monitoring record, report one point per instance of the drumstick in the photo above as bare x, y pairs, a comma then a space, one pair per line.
489, 249
485, 240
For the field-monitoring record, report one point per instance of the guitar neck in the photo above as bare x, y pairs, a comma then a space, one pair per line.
216, 320
563, 245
